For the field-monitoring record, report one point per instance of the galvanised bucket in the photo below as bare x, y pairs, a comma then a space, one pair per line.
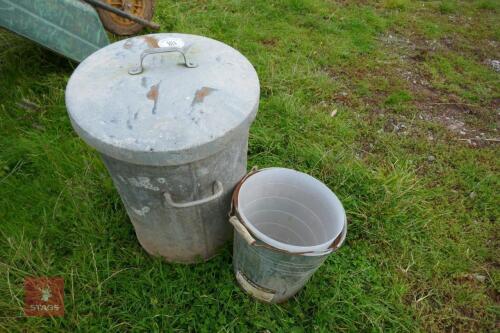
286, 224
170, 115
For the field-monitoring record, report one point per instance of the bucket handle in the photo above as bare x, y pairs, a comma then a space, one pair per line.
242, 230
260, 293
182, 50
217, 188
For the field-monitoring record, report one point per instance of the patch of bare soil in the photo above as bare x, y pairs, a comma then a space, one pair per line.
468, 123
269, 42
405, 68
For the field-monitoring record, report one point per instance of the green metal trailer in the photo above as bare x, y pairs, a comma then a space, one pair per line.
74, 28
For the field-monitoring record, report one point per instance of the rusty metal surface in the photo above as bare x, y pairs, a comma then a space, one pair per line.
151, 41
68, 27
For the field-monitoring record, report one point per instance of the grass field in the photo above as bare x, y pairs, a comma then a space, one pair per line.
393, 104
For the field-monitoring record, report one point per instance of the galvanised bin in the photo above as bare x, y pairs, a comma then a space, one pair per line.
170, 115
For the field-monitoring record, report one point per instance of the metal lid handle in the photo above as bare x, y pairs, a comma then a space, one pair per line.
182, 50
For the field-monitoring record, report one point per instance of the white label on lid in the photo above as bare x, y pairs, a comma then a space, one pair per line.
171, 42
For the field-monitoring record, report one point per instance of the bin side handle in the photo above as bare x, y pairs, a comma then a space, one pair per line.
182, 50
217, 190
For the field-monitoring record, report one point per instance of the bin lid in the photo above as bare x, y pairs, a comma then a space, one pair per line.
193, 97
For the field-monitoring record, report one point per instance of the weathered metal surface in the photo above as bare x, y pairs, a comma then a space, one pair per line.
169, 114
174, 139
181, 234
277, 275
68, 27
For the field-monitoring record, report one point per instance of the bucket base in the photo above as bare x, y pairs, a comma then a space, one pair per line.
270, 276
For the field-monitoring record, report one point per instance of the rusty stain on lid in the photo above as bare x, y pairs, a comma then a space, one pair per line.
151, 41
153, 94
200, 95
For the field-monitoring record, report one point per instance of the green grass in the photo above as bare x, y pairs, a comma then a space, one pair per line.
422, 202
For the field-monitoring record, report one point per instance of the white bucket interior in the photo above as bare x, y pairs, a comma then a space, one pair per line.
290, 210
